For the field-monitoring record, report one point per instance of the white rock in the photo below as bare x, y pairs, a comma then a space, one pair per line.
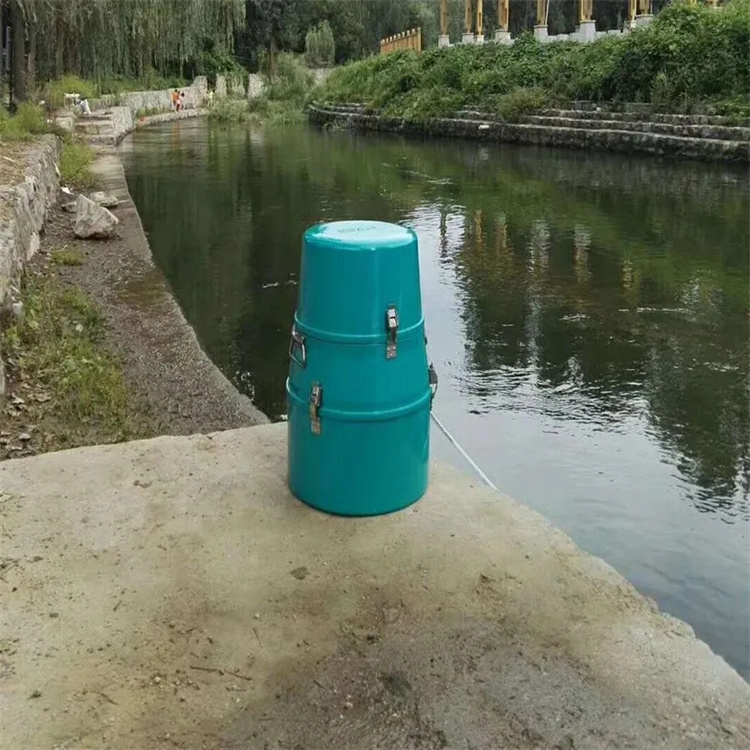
93, 221
103, 199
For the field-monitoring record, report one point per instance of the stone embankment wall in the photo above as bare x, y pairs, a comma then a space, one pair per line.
141, 101
694, 137
23, 211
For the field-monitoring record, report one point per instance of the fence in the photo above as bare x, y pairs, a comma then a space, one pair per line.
411, 39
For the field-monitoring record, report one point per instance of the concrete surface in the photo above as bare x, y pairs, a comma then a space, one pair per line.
171, 593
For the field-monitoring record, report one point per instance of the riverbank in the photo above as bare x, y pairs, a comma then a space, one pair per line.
534, 92
153, 376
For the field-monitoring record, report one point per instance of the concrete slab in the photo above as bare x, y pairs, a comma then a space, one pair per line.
171, 593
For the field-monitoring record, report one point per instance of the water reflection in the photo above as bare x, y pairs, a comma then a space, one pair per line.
589, 315
610, 338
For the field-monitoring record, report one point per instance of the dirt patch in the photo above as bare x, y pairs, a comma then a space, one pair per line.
14, 161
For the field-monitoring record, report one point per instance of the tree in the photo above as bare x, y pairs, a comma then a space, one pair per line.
271, 26
18, 49
320, 45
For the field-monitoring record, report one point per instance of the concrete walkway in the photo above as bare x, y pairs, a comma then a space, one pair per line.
171, 593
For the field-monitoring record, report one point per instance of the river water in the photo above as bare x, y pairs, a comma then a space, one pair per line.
587, 315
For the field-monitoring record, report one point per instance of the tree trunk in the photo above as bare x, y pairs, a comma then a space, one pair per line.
272, 59
59, 42
18, 42
31, 62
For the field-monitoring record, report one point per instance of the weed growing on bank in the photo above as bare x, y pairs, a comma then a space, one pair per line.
75, 164
58, 347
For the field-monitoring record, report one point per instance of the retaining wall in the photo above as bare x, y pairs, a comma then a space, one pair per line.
540, 135
23, 210
138, 101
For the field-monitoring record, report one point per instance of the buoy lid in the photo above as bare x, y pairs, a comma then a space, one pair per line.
360, 235
352, 273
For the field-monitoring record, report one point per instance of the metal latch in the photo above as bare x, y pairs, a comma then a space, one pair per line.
316, 399
391, 330
298, 342
433, 380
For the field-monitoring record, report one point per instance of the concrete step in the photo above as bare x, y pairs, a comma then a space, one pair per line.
93, 128
606, 116
600, 139
673, 119
617, 139
101, 139
716, 132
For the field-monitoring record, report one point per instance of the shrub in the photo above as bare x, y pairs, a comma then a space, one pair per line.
689, 55
229, 110
54, 92
29, 120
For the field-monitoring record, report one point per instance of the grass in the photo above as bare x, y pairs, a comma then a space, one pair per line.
27, 122
75, 164
67, 257
58, 344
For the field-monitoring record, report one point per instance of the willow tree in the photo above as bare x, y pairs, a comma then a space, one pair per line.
109, 38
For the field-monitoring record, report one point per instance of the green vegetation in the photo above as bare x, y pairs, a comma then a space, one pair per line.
66, 256
76, 157
282, 101
690, 55
227, 111
110, 41
28, 121
320, 45
58, 344
75, 164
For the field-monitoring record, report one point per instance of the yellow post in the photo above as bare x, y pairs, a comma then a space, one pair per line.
444, 17
632, 10
542, 12
585, 10
503, 14
467, 17
480, 17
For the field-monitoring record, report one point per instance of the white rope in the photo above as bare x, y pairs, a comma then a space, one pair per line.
468, 458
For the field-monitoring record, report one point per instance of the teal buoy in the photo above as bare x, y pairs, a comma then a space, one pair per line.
359, 389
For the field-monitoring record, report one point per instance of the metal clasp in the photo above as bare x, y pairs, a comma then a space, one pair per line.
433, 380
298, 341
391, 330
316, 399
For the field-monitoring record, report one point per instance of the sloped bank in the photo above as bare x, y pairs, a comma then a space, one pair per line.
682, 136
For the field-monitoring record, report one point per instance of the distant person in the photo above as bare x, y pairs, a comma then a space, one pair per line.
84, 107
211, 98
175, 100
